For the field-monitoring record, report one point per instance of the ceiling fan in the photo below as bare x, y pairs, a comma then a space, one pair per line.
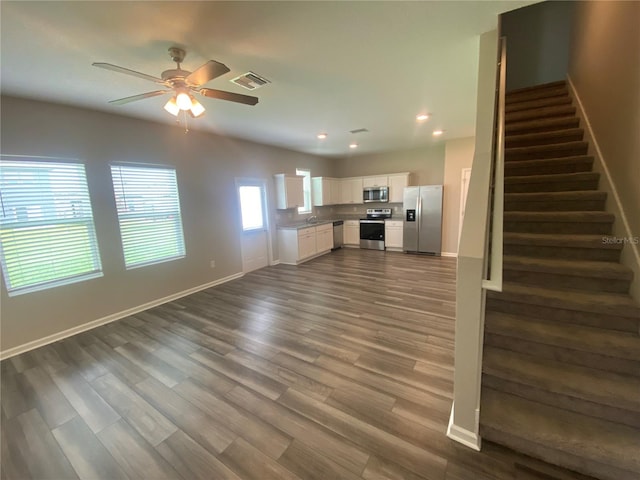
182, 84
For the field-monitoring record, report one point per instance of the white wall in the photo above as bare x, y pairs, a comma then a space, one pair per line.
464, 421
605, 71
425, 163
538, 38
206, 167
458, 155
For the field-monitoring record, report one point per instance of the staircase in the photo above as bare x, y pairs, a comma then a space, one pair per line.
561, 367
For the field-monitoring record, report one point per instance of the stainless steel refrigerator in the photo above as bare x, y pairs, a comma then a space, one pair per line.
422, 209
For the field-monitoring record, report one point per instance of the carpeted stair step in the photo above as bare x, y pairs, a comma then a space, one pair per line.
592, 446
612, 311
544, 138
542, 125
584, 200
542, 112
538, 152
596, 393
553, 89
557, 182
570, 247
592, 223
606, 350
570, 274
580, 163
514, 106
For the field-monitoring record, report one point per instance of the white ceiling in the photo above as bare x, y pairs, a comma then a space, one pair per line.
334, 66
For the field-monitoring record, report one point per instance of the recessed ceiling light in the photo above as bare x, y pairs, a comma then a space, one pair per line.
353, 145
322, 136
422, 117
437, 133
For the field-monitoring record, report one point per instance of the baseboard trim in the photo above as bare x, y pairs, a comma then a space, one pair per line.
449, 254
462, 435
41, 342
274, 263
632, 258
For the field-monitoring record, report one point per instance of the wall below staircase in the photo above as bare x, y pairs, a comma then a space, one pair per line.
605, 71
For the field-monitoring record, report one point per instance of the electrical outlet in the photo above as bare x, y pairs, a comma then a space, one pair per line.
212, 263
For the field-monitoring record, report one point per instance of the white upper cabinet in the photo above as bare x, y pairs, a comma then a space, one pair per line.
325, 191
380, 181
397, 183
351, 190
289, 191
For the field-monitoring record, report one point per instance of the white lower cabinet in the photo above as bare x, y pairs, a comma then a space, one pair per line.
352, 232
306, 243
324, 238
297, 246
393, 234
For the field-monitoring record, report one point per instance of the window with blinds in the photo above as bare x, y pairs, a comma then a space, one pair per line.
47, 235
149, 214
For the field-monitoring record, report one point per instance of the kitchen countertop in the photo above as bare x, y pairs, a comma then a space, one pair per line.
301, 225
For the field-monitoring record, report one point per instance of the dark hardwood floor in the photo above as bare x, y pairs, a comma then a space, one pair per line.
339, 368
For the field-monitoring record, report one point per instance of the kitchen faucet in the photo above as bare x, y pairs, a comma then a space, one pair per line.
312, 219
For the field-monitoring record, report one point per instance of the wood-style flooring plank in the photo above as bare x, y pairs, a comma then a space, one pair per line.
339, 450
145, 419
310, 464
51, 403
30, 435
85, 400
241, 374
210, 434
151, 364
376, 440
87, 454
251, 464
258, 433
135, 456
191, 460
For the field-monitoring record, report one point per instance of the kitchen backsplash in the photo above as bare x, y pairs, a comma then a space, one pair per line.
284, 217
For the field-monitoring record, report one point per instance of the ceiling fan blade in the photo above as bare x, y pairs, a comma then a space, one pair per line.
142, 96
115, 68
230, 96
207, 72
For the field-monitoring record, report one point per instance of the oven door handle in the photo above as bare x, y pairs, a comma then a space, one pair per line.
372, 221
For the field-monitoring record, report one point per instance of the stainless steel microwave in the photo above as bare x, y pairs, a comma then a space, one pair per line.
375, 194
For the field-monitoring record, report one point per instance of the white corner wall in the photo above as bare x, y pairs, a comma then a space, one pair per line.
464, 422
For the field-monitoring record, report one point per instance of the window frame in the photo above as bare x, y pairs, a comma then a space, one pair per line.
180, 244
64, 215
306, 191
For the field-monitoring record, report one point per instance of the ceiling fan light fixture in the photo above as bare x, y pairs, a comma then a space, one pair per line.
183, 100
196, 108
172, 107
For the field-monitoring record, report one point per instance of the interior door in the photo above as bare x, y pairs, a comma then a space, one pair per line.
255, 242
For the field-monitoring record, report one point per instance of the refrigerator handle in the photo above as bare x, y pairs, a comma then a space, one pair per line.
419, 213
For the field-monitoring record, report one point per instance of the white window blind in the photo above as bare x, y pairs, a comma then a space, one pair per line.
149, 214
306, 189
46, 225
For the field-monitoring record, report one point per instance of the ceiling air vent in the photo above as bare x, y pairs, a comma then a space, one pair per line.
250, 81
359, 130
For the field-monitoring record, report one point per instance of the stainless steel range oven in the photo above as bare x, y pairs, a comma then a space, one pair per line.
372, 228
